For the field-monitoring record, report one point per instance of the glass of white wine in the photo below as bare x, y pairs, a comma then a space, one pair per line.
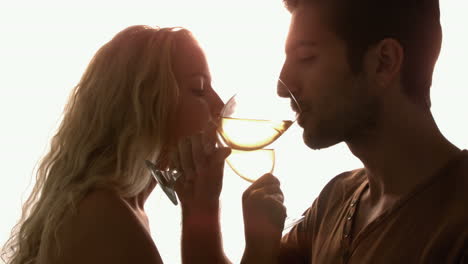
250, 122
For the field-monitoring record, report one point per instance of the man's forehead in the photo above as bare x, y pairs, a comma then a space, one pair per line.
306, 28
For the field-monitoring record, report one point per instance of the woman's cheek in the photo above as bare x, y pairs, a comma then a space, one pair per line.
194, 122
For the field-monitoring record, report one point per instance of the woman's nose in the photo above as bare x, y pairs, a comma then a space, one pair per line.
216, 105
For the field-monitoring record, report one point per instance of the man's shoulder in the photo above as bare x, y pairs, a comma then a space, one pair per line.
337, 191
454, 184
344, 184
453, 181
462, 171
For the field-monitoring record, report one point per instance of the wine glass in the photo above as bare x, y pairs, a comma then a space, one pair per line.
166, 179
250, 123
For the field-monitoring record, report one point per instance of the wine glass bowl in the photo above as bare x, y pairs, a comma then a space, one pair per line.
240, 163
255, 133
249, 122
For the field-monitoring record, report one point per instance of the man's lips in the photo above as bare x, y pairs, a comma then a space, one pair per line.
295, 107
301, 118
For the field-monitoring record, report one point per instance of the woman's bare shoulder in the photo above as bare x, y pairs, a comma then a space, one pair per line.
105, 230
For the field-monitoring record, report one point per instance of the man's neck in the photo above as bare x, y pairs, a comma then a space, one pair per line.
405, 149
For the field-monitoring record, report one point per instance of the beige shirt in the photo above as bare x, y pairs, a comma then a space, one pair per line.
430, 225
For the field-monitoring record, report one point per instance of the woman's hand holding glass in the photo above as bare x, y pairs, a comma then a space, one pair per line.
247, 124
201, 162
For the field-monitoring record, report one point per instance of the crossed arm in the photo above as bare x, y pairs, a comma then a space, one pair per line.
264, 216
199, 190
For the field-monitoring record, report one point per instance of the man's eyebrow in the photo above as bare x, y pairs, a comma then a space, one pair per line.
299, 44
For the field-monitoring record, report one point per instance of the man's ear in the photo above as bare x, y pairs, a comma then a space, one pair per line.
384, 61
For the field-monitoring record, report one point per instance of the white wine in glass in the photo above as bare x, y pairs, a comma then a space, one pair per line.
251, 134
246, 138
250, 165
248, 124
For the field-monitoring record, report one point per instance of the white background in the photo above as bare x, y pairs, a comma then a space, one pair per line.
45, 46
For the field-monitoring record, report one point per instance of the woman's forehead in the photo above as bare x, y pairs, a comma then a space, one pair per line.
188, 58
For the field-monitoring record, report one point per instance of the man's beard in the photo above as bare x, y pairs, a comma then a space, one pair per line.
356, 119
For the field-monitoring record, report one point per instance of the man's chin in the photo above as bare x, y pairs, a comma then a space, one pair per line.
317, 142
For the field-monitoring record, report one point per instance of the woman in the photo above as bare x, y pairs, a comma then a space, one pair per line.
142, 92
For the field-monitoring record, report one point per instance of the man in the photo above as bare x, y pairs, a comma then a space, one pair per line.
361, 71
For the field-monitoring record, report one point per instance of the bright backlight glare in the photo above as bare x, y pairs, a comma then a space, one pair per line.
46, 45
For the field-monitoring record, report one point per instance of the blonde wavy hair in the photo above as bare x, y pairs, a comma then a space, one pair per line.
118, 115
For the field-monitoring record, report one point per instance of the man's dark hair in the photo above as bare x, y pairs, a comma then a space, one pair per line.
415, 24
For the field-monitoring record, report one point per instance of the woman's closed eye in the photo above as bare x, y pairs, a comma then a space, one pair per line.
198, 86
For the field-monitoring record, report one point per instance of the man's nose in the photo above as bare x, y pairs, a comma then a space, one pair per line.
282, 89
285, 82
